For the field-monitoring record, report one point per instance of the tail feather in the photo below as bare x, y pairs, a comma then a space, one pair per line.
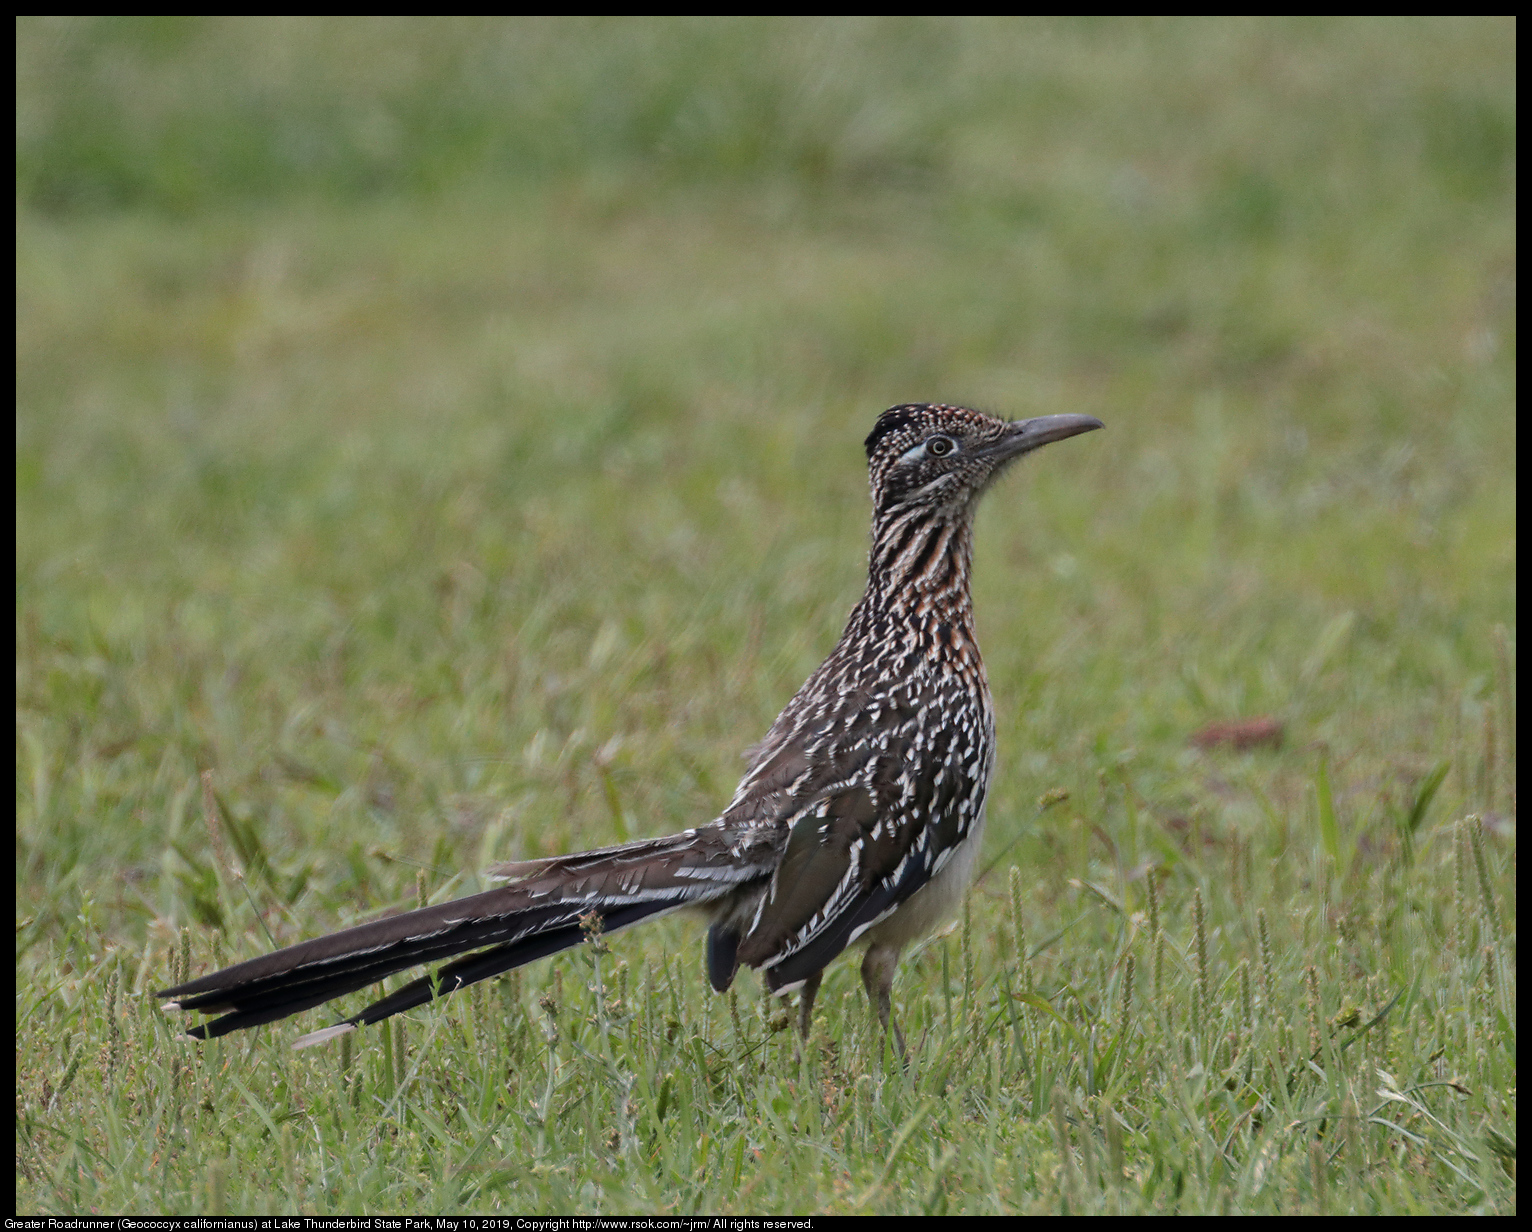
538, 915
486, 964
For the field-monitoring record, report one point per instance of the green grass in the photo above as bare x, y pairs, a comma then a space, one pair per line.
446, 435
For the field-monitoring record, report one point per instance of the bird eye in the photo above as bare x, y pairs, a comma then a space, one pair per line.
940, 446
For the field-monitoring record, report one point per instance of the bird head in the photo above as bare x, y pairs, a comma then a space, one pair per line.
936, 461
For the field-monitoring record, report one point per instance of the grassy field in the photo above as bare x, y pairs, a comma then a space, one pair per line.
439, 442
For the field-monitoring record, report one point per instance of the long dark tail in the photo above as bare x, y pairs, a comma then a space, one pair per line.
549, 907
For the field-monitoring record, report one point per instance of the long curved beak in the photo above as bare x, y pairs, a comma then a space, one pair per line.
1024, 435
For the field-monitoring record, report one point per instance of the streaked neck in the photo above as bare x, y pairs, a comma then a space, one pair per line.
920, 565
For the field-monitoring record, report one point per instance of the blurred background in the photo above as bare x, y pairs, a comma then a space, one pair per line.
447, 431
439, 441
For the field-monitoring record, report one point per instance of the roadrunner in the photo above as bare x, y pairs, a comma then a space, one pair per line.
858, 819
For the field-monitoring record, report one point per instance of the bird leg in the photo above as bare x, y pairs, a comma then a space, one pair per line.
806, 996
878, 978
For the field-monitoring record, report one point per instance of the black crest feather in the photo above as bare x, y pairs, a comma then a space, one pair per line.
892, 420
